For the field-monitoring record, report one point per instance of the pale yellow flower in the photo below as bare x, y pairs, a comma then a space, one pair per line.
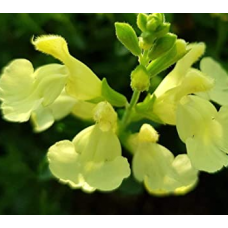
181, 81
156, 166
204, 130
24, 91
165, 106
93, 159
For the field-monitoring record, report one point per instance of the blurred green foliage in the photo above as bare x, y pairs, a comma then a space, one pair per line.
26, 185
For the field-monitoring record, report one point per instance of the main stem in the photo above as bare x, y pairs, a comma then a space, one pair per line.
134, 99
127, 114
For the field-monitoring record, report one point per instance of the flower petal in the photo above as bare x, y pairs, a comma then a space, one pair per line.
213, 69
206, 156
165, 106
64, 162
17, 80
108, 175
184, 172
42, 119
16, 86
152, 163
96, 145
204, 131
174, 78
82, 83
83, 109
193, 117
50, 81
62, 106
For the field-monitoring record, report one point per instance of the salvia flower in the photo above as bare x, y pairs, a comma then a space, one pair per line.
181, 81
25, 92
204, 131
93, 159
156, 166
174, 78
165, 106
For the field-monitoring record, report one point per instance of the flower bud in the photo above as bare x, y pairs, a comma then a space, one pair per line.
146, 40
127, 36
162, 45
162, 30
154, 20
142, 21
140, 79
152, 24
160, 16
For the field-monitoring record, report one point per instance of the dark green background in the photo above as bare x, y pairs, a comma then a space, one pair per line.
26, 186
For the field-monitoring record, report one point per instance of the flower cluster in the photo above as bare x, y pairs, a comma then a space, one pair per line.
93, 159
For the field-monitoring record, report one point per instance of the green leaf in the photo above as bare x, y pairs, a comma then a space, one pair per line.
127, 36
113, 97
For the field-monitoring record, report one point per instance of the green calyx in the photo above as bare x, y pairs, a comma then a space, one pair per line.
140, 79
162, 45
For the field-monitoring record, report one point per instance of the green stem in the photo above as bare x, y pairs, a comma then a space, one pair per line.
127, 115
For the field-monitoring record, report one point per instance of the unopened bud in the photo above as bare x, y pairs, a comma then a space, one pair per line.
160, 16
152, 24
146, 40
127, 36
162, 30
140, 79
162, 45
142, 21
154, 21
